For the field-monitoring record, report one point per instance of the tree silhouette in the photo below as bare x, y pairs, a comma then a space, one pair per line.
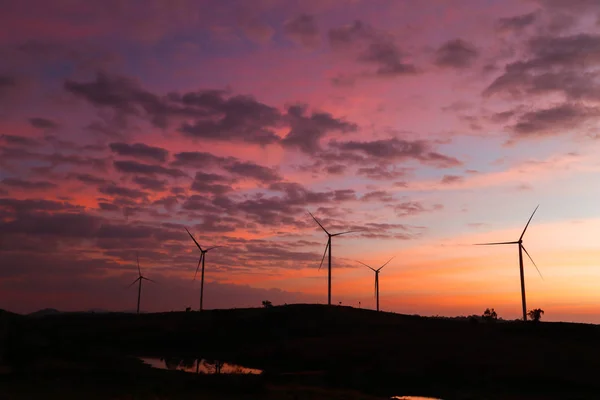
267, 304
490, 315
535, 315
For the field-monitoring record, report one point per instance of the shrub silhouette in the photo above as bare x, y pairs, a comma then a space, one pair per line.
267, 304
535, 315
490, 315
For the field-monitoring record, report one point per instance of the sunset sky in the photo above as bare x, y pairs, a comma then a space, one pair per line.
432, 125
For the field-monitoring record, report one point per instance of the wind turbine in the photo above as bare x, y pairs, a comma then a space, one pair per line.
328, 246
139, 279
201, 261
521, 249
376, 277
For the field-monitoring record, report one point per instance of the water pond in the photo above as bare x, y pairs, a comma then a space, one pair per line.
198, 366
413, 398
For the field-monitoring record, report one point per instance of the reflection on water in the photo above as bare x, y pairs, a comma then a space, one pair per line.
198, 366
413, 398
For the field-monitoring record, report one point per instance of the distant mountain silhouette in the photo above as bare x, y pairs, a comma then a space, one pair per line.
98, 311
44, 312
7, 314
52, 311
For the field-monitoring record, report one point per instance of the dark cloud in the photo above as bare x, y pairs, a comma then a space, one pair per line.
251, 170
218, 223
336, 169
28, 185
209, 114
8, 86
236, 118
15, 140
277, 253
382, 172
168, 202
271, 211
236, 167
374, 47
456, 53
148, 183
140, 150
37, 205
516, 23
557, 51
108, 206
559, 64
134, 167
398, 149
90, 179
197, 159
115, 190
575, 6
214, 116
344, 195
378, 196
409, 208
7, 81
556, 120
386, 227
126, 97
59, 224
343, 80
200, 204
57, 159
211, 184
307, 130
303, 29
43, 123
276, 210
503, 116
296, 194
450, 179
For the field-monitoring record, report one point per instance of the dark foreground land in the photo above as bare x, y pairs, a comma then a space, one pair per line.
306, 351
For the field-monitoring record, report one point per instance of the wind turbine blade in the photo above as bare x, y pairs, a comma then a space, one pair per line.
186, 229
138, 261
132, 283
380, 268
148, 279
490, 244
214, 247
343, 233
536, 267
323, 259
522, 234
368, 266
318, 223
198, 267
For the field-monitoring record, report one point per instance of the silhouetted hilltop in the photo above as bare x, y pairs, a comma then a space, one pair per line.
8, 314
368, 350
43, 312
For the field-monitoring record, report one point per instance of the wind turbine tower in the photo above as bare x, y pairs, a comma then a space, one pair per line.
376, 278
139, 280
522, 249
201, 261
328, 246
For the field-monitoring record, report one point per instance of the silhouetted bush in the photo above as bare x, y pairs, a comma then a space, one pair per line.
267, 304
490, 315
535, 315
